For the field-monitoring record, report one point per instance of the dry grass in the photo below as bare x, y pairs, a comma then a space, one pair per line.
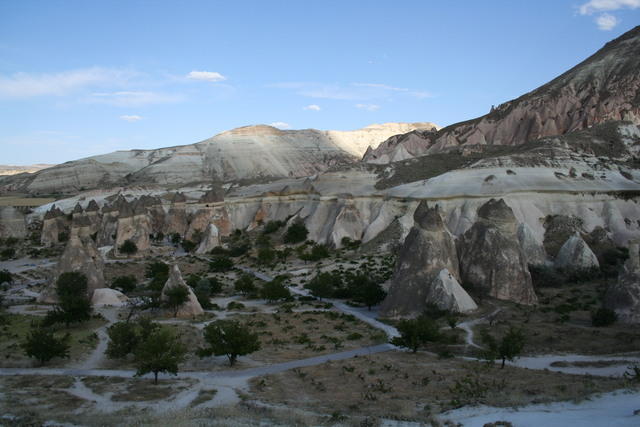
16, 327
24, 201
415, 387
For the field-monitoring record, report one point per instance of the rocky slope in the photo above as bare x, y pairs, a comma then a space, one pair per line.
247, 153
604, 87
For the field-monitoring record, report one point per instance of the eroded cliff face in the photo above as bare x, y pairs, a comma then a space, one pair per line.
605, 87
624, 296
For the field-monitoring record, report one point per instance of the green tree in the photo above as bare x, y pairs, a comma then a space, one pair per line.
159, 351
274, 290
188, 245
417, 332
128, 247
229, 338
175, 238
43, 345
158, 272
7, 254
509, 347
297, 232
124, 283
367, 291
220, 264
245, 284
272, 226
266, 256
323, 285
176, 297
73, 305
123, 339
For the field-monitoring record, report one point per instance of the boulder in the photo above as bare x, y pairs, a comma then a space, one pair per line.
108, 296
446, 293
190, 308
428, 249
491, 258
623, 297
210, 239
575, 254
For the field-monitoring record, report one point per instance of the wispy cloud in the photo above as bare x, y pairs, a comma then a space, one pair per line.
368, 107
350, 92
25, 85
595, 6
207, 76
280, 125
132, 98
606, 22
312, 107
131, 118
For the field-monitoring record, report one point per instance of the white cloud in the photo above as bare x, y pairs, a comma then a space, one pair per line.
132, 99
312, 107
131, 118
280, 125
24, 85
606, 22
594, 6
207, 76
368, 107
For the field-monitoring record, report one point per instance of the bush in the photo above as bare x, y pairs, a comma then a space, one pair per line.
348, 243
5, 276
274, 291
188, 245
176, 297
158, 272
603, 317
323, 285
63, 236
546, 277
272, 226
128, 247
175, 238
266, 256
297, 232
7, 254
414, 333
124, 283
245, 284
220, 264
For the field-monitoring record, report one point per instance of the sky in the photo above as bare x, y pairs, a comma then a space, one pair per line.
79, 78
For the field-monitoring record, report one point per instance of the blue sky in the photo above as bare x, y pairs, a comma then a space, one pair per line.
79, 78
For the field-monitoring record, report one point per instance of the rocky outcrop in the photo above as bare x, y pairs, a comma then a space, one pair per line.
532, 249
80, 255
624, 296
190, 308
491, 259
428, 249
446, 293
54, 224
604, 87
210, 239
575, 254
176, 220
12, 223
349, 223
108, 297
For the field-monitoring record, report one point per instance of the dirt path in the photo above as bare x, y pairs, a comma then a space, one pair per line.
97, 356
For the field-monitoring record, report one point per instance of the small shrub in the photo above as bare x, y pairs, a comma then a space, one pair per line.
603, 317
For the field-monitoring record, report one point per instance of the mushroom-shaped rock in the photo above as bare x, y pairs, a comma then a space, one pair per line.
108, 296
576, 254
80, 255
428, 249
210, 239
446, 293
491, 259
191, 307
